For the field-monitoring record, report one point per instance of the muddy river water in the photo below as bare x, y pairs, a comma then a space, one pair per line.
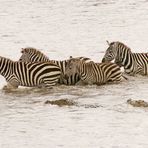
101, 117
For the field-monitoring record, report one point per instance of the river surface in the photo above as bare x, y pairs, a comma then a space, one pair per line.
61, 28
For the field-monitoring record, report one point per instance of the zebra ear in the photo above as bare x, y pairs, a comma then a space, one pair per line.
108, 42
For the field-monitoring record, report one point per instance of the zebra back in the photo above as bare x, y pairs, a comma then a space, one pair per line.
111, 71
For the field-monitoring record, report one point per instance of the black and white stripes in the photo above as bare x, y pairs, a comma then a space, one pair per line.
133, 63
93, 73
34, 69
30, 74
31, 55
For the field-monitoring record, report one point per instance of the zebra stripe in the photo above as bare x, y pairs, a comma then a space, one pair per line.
31, 54
29, 74
133, 63
93, 73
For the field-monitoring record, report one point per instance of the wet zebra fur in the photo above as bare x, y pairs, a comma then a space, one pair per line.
30, 74
93, 73
31, 54
133, 63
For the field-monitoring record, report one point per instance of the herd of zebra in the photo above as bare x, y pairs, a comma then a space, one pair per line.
34, 69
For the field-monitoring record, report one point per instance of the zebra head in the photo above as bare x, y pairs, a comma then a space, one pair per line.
72, 67
119, 52
110, 53
30, 54
27, 54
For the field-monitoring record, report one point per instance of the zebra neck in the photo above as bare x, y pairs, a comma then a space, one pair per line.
6, 67
127, 61
81, 69
61, 64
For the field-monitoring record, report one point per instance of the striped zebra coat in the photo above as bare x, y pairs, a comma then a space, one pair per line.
93, 73
31, 54
36, 74
133, 63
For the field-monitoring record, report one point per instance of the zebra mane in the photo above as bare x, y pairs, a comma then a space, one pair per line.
71, 60
84, 59
79, 60
121, 45
6, 59
33, 50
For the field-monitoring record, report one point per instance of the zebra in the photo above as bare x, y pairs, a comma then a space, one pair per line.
32, 54
133, 63
30, 74
93, 73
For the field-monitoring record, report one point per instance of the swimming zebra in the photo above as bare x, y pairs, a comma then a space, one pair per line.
93, 73
31, 54
30, 74
133, 63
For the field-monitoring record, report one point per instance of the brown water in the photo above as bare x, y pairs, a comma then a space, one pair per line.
101, 118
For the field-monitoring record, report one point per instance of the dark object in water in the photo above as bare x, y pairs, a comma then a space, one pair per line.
61, 102
137, 103
90, 105
67, 102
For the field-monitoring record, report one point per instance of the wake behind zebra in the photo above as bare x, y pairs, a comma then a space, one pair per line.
30, 74
133, 63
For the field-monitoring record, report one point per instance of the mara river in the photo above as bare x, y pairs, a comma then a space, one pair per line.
100, 116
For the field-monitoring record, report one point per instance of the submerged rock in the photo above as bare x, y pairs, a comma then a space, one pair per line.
137, 103
61, 102
67, 102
